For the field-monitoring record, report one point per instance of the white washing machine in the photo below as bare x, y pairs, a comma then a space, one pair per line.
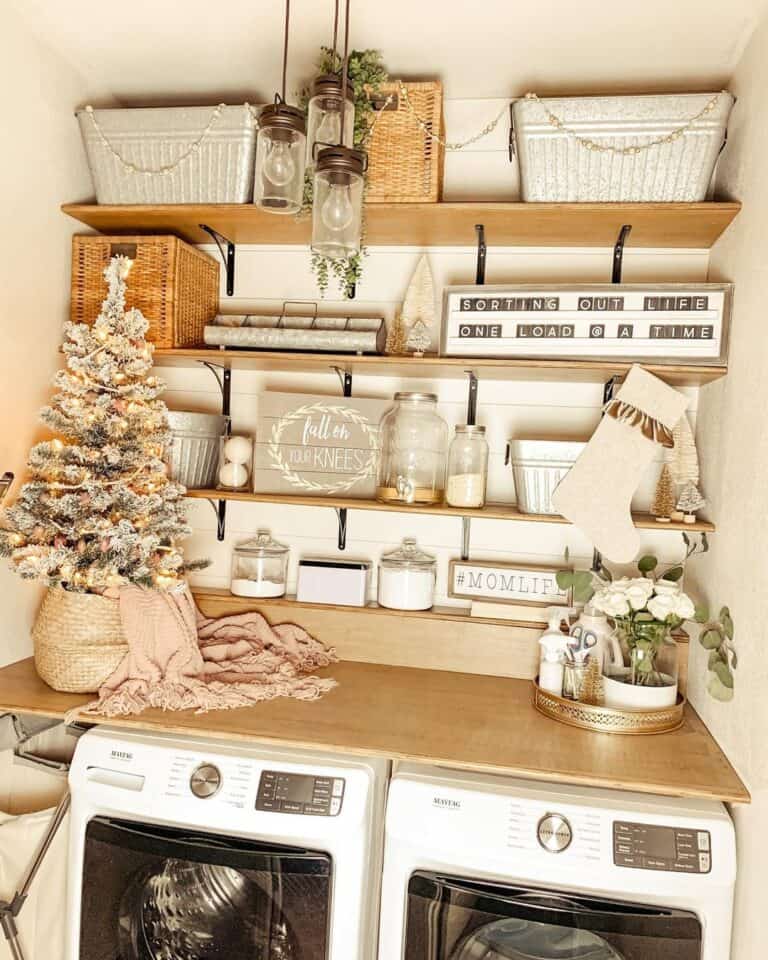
478, 867
196, 849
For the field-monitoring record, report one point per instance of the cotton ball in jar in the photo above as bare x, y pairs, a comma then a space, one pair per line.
237, 450
233, 475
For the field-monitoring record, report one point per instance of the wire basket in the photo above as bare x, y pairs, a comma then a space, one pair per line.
174, 285
405, 163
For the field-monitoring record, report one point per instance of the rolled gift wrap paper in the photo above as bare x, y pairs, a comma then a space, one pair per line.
238, 449
233, 475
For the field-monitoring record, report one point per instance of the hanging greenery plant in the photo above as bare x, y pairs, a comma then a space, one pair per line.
366, 74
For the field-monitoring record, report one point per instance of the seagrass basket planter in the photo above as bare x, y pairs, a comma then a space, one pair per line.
174, 285
405, 164
78, 640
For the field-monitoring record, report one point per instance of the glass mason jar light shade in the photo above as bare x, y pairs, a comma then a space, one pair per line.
337, 202
280, 159
414, 442
324, 115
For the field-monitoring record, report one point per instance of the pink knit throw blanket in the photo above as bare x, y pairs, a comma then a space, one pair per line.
179, 660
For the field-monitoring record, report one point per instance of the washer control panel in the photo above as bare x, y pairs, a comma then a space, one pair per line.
300, 793
205, 781
554, 833
651, 847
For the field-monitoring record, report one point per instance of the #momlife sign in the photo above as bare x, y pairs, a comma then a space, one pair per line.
662, 323
505, 583
313, 445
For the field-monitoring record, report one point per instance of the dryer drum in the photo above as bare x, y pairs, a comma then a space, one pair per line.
514, 939
178, 910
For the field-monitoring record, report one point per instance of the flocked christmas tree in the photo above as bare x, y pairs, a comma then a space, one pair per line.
99, 509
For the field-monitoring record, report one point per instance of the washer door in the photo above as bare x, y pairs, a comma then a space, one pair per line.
450, 918
156, 893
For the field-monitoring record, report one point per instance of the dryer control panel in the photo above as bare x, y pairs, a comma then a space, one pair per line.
652, 847
301, 793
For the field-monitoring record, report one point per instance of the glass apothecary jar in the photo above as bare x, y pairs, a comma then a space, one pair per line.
467, 467
281, 148
407, 578
259, 567
414, 447
324, 114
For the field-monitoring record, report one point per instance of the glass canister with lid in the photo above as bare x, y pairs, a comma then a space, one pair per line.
467, 467
414, 445
259, 567
407, 578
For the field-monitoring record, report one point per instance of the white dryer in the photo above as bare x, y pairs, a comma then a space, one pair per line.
478, 867
197, 849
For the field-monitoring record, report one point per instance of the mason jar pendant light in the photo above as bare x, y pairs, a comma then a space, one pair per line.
280, 149
328, 103
337, 201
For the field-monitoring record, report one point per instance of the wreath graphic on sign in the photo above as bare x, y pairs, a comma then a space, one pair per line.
320, 407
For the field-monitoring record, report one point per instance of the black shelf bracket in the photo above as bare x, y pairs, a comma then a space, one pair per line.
472, 398
227, 253
608, 390
223, 377
345, 378
618, 253
482, 252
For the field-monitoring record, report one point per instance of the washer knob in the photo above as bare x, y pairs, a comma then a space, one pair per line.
205, 781
554, 833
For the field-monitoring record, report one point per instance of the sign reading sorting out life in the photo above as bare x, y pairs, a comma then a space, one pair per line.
661, 323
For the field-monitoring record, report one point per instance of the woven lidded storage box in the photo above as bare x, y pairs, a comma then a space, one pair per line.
658, 148
405, 164
171, 154
174, 285
78, 640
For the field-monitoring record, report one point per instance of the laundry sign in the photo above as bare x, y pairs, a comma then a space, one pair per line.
505, 583
314, 445
659, 323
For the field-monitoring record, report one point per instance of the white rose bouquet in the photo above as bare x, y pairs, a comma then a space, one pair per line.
644, 610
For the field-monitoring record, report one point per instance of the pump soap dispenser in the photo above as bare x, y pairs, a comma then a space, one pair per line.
554, 646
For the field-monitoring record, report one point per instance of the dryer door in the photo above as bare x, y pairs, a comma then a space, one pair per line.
155, 893
450, 918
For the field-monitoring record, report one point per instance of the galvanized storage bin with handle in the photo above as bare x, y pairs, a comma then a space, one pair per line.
538, 466
655, 148
171, 154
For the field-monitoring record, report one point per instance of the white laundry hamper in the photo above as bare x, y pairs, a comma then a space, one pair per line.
42, 921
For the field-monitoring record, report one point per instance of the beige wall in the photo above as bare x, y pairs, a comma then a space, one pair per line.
733, 440
41, 164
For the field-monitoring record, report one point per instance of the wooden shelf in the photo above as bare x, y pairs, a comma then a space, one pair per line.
454, 719
693, 225
491, 511
431, 367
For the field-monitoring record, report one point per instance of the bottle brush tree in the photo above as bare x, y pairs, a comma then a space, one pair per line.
664, 500
99, 509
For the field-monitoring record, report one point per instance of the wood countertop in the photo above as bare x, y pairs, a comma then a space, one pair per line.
454, 719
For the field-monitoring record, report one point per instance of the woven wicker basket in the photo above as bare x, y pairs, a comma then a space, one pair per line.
405, 165
78, 640
174, 285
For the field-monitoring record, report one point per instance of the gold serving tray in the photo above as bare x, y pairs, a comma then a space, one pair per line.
608, 719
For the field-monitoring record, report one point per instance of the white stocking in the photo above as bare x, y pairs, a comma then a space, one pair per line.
597, 491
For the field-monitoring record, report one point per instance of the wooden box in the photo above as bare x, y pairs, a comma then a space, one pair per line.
174, 285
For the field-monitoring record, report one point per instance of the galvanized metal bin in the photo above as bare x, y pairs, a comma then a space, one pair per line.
193, 453
657, 148
171, 154
538, 466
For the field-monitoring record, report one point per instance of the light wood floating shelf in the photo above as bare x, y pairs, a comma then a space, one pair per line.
455, 719
431, 367
491, 511
693, 225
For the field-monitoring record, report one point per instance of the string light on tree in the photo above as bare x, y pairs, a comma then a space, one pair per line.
98, 509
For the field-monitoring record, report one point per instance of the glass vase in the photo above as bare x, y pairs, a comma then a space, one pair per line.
652, 654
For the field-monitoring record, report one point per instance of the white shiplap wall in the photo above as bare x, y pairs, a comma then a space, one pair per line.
268, 275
